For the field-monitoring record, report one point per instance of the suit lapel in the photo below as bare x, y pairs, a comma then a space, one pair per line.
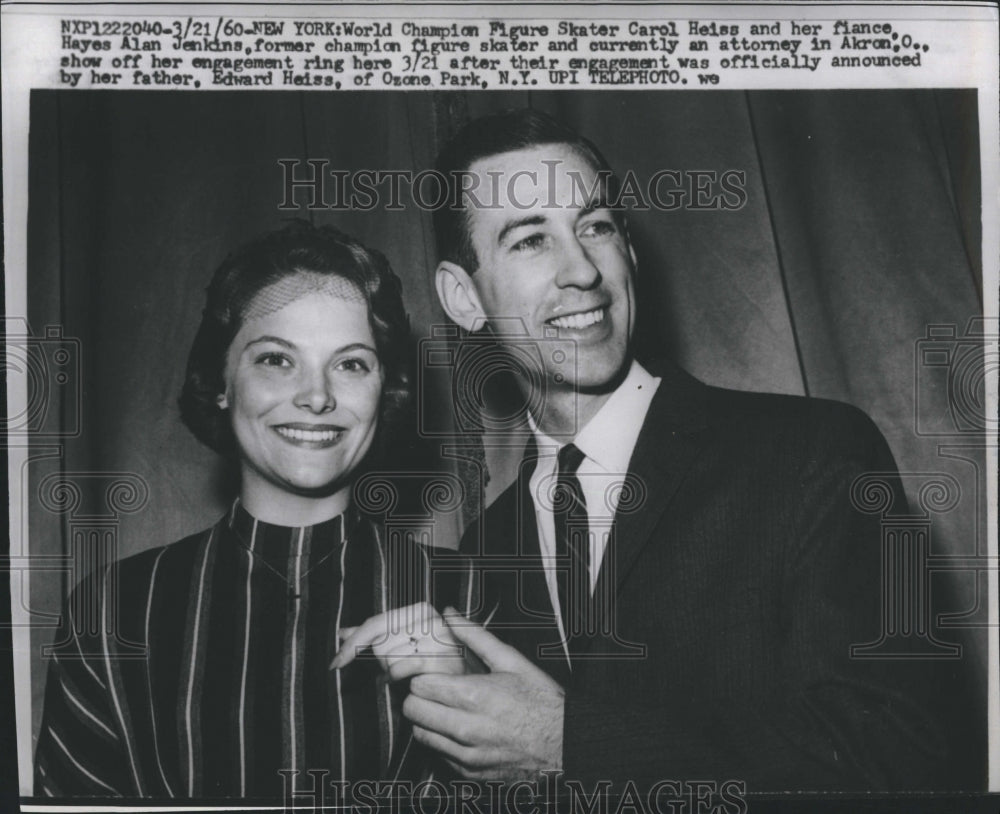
524, 613
672, 436
535, 588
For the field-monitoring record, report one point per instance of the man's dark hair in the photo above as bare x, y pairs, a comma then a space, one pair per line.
492, 135
299, 248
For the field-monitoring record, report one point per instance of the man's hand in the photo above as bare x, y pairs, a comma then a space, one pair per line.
406, 641
504, 725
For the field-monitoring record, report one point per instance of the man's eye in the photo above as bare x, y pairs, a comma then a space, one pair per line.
273, 360
529, 243
600, 228
354, 366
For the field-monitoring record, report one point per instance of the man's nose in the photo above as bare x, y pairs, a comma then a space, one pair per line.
315, 391
577, 268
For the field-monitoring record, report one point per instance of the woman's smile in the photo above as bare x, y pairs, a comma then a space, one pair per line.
310, 436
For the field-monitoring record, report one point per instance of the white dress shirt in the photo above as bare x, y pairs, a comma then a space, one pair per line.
607, 442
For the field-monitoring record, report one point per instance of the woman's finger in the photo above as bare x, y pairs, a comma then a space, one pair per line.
380, 630
405, 663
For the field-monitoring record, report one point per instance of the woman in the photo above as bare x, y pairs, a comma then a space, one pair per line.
297, 373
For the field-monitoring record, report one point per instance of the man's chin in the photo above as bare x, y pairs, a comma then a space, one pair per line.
601, 380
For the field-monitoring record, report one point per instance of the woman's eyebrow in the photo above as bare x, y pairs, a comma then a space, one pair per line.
277, 340
357, 346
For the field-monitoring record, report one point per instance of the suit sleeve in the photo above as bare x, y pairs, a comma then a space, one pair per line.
830, 721
79, 752
418, 573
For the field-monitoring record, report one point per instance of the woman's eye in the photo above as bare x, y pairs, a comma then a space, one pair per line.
529, 243
273, 360
354, 366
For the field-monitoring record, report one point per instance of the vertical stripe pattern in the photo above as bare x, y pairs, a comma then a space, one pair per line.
149, 679
240, 623
342, 740
241, 720
195, 659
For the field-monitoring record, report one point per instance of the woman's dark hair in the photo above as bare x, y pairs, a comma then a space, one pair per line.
299, 248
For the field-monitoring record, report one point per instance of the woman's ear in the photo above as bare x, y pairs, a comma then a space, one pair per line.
222, 401
458, 296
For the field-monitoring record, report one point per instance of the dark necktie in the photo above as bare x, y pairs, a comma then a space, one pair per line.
572, 542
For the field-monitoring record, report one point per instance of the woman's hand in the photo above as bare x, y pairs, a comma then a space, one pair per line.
406, 641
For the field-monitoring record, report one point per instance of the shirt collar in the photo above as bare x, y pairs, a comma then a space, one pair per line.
609, 438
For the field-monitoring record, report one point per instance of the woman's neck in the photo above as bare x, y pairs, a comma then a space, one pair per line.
277, 507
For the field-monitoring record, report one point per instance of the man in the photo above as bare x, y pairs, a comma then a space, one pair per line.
700, 625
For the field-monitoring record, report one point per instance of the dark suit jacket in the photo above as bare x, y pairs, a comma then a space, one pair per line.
743, 575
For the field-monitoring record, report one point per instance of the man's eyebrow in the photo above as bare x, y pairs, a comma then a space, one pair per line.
527, 220
597, 202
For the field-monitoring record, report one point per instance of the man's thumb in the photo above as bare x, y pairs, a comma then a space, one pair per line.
499, 657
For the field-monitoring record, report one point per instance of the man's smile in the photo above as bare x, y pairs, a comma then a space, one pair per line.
579, 320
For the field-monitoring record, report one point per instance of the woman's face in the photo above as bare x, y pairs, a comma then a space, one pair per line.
303, 384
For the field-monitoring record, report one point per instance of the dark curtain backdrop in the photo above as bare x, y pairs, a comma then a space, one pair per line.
861, 228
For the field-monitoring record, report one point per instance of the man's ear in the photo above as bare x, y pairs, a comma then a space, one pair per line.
458, 296
628, 240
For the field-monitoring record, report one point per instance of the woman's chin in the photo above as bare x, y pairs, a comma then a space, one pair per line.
316, 488
279, 487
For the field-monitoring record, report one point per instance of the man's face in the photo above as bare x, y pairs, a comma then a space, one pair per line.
553, 263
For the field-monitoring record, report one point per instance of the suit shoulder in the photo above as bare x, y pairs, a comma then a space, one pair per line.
763, 410
686, 400
811, 427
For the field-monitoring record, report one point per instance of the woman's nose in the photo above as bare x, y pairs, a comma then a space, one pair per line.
315, 392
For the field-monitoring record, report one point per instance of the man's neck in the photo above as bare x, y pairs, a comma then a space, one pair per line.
563, 415
566, 411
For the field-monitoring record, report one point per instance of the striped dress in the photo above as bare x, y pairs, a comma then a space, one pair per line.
201, 669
